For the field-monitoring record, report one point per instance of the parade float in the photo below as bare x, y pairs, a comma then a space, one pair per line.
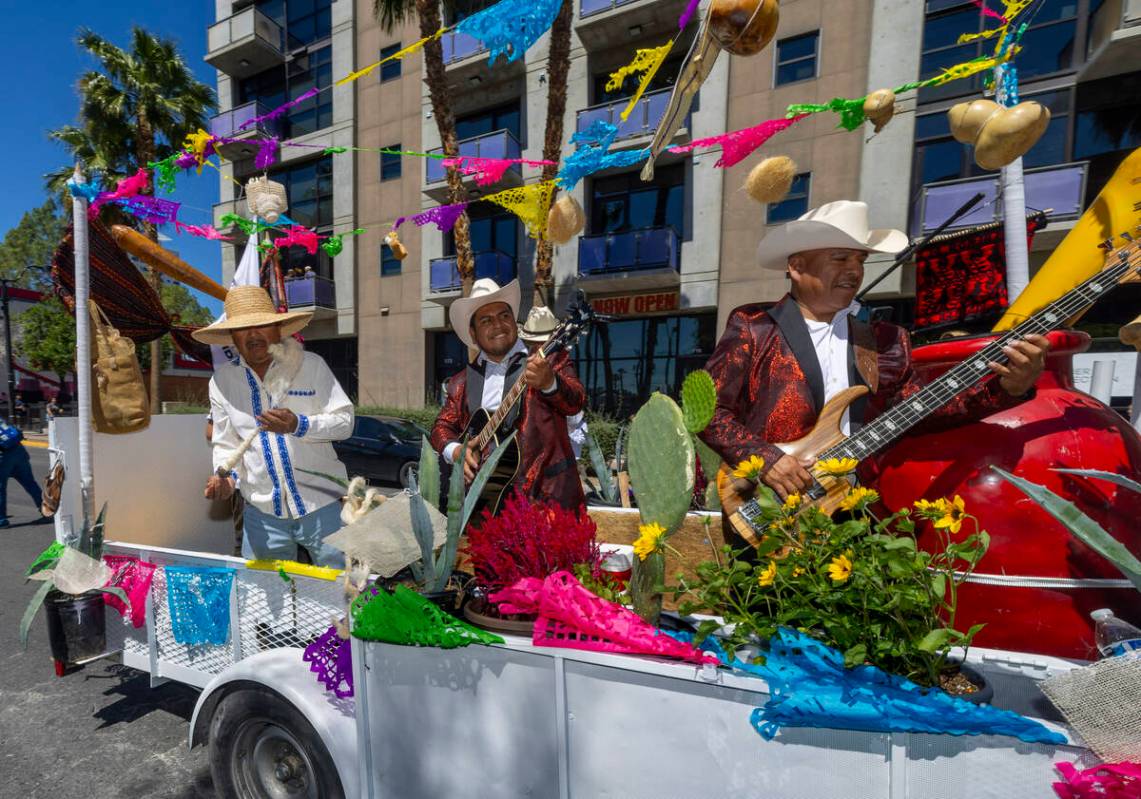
839, 658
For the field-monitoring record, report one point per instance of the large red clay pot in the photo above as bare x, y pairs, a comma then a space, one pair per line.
1060, 427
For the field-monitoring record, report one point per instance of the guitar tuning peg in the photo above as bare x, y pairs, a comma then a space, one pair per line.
1106, 245
1127, 236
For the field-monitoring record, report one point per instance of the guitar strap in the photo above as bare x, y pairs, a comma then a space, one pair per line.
863, 368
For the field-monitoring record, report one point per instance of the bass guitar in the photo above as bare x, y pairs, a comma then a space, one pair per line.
489, 429
826, 440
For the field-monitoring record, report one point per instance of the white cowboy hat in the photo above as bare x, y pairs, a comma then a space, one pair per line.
483, 292
250, 306
843, 223
539, 325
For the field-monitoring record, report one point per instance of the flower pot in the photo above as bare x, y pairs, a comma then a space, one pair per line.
76, 630
646, 586
480, 613
985, 693
446, 600
1059, 428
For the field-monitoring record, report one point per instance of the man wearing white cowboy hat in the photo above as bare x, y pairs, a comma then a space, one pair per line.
775, 367
487, 321
276, 411
534, 332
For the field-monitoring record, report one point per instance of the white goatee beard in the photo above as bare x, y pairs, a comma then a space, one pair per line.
288, 355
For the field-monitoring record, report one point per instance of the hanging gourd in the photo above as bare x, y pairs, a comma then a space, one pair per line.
565, 220
998, 134
743, 27
879, 107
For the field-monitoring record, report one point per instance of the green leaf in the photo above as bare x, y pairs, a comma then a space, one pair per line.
939, 584
95, 541
338, 480
115, 591
425, 536
601, 469
895, 543
1111, 477
855, 656
934, 640
428, 473
1081, 526
698, 400
30, 611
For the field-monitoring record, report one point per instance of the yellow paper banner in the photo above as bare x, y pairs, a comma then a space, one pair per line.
530, 203
647, 61
407, 51
968, 68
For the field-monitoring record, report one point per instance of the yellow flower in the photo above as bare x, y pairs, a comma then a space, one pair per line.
859, 497
923, 506
791, 503
750, 469
797, 571
648, 540
837, 467
769, 575
953, 514
840, 569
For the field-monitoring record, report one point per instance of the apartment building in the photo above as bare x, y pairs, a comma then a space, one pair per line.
269, 52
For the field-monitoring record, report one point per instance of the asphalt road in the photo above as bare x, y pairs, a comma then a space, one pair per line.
99, 732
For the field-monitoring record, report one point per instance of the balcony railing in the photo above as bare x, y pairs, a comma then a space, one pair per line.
458, 46
310, 291
1061, 187
643, 120
650, 248
228, 123
500, 144
443, 276
1111, 16
589, 8
245, 43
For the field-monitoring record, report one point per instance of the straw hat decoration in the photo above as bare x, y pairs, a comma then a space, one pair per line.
250, 306
770, 180
266, 198
565, 220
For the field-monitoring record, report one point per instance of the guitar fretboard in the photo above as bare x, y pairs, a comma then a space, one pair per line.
890, 425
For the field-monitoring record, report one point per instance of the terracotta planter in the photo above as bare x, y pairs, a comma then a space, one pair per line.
479, 613
1060, 427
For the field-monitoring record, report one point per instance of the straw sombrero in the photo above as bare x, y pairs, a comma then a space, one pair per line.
540, 324
250, 306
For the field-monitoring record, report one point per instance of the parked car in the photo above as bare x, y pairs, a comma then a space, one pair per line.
382, 449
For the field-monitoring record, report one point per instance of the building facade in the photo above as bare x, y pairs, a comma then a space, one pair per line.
668, 259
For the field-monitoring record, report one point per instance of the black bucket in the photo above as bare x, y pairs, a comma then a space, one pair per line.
76, 630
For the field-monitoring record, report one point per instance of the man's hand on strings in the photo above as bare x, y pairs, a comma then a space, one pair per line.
1026, 357
278, 420
789, 475
539, 374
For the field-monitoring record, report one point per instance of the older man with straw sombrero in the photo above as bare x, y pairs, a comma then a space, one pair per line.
487, 321
776, 366
276, 410
534, 332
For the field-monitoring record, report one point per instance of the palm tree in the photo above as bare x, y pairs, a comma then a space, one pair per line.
390, 13
558, 67
142, 98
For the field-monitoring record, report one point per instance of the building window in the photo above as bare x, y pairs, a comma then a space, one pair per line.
796, 58
625, 202
505, 117
277, 86
390, 70
795, 204
663, 79
491, 229
389, 265
622, 363
304, 22
390, 163
309, 187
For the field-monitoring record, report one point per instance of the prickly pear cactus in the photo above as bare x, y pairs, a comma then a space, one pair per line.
661, 462
698, 400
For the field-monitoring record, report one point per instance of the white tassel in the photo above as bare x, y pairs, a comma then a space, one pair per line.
359, 500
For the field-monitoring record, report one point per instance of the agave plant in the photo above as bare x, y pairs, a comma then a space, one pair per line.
1080, 525
86, 553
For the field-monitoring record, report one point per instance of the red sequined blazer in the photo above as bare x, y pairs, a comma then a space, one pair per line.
770, 389
548, 470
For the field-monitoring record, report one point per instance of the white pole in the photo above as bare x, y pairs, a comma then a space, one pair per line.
1101, 381
1013, 210
83, 349
1135, 410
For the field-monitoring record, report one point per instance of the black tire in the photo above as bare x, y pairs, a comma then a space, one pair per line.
262, 747
407, 472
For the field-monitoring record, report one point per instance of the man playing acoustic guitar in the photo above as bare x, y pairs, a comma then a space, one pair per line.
775, 368
487, 321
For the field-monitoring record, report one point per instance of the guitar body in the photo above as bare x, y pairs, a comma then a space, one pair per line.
735, 493
495, 489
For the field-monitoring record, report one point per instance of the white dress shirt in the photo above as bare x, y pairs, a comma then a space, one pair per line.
830, 340
270, 472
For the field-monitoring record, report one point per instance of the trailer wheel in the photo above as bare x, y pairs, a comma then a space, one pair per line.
262, 747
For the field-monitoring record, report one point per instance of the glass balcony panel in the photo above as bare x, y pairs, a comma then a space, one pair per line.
309, 291
498, 144
650, 248
643, 120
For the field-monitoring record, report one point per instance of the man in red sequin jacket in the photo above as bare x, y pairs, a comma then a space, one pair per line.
487, 321
776, 367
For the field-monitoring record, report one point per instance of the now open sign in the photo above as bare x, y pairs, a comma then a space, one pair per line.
637, 304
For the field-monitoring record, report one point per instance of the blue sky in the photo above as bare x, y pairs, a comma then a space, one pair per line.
39, 94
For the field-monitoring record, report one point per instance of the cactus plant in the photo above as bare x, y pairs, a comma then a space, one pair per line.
428, 473
710, 464
698, 401
661, 462
607, 485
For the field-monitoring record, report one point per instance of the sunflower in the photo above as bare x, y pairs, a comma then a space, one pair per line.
954, 512
648, 540
840, 569
768, 576
837, 467
791, 503
750, 469
930, 510
859, 498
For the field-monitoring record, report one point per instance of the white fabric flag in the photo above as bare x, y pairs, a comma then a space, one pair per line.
248, 273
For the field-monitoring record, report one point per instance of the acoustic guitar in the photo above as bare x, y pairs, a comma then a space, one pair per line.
489, 429
826, 440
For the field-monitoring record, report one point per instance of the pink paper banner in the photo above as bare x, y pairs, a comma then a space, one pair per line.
738, 145
1107, 781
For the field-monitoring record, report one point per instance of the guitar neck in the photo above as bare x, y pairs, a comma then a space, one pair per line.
890, 425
